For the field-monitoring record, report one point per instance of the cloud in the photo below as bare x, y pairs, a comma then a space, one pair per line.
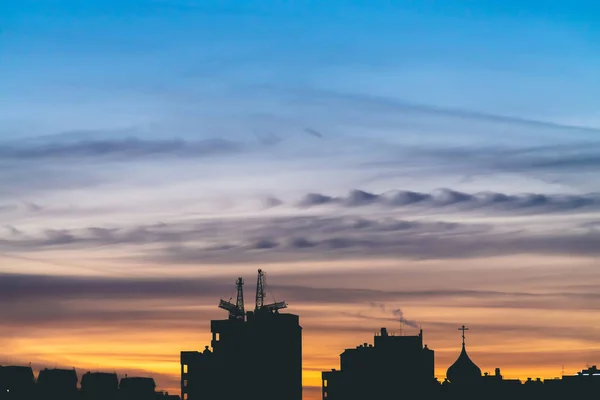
65, 296
281, 239
231, 234
315, 199
408, 244
313, 132
301, 243
455, 296
33, 207
266, 244
12, 231
16, 288
117, 149
580, 154
571, 162
271, 202
447, 199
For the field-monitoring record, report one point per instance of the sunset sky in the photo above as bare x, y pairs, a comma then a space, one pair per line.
437, 157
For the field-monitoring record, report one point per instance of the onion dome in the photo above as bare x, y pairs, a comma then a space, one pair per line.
464, 370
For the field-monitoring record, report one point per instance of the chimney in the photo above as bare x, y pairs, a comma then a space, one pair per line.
384, 332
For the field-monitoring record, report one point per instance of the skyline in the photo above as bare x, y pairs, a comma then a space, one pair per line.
372, 156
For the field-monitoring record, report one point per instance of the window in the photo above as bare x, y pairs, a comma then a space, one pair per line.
185, 368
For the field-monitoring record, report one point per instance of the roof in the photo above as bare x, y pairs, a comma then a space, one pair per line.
18, 373
58, 377
105, 380
464, 369
136, 384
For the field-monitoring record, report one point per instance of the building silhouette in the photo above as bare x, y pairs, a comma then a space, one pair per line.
372, 371
398, 365
20, 383
260, 351
57, 384
137, 389
17, 382
99, 385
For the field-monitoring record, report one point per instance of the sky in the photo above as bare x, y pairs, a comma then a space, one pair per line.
438, 158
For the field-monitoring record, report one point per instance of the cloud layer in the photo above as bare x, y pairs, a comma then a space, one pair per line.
452, 200
272, 239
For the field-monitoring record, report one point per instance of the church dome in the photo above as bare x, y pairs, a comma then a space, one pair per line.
463, 370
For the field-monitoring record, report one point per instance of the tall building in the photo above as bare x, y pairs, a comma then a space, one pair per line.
392, 366
255, 354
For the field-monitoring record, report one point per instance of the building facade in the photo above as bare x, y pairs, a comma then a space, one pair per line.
389, 368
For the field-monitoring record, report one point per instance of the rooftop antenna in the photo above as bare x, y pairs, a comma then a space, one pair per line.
463, 329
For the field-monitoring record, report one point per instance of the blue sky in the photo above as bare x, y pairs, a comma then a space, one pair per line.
127, 58
327, 139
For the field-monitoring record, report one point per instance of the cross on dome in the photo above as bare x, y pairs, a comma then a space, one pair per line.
463, 329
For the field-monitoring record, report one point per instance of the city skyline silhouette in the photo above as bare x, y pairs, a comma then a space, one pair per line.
256, 342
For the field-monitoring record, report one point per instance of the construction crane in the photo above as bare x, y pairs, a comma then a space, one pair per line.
236, 311
260, 296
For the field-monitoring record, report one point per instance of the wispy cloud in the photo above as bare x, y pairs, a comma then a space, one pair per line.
268, 239
246, 235
118, 149
24, 289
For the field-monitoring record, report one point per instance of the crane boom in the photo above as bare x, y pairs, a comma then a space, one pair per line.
228, 306
276, 306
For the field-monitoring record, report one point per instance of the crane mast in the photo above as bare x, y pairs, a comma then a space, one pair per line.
260, 296
239, 303
236, 311
260, 291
